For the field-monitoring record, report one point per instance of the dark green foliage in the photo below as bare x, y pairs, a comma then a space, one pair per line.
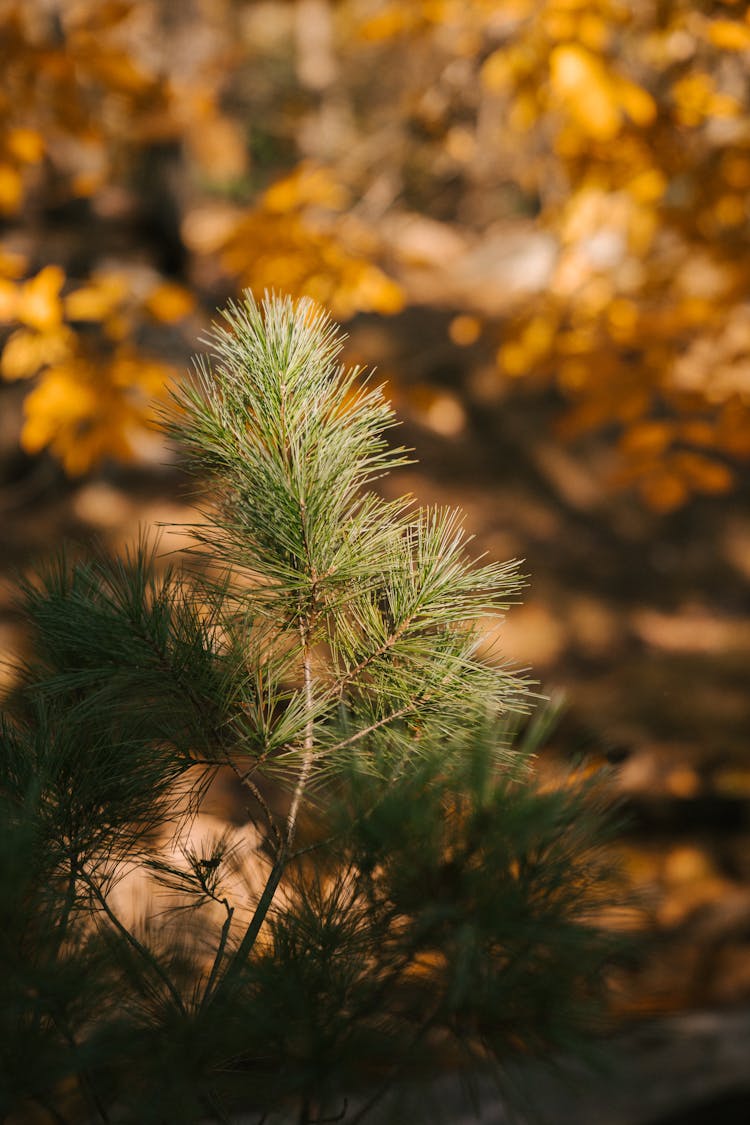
410, 895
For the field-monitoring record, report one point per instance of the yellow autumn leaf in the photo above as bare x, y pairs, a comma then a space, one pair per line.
587, 90
99, 299
593, 30
704, 474
39, 303
573, 375
647, 438
559, 25
464, 330
513, 359
108, 13
8, 300
735, 169
27, 145
285, 252
64, 413
728, 35
731, 210
27, 352
392, 21
524, 112
62, 399
643, 224
663, 491
538, 335
695, 431
12, 264
87, 183
170, 302
733, 428
622, 319
636, 102
307, 186
372, 291
577, 341
726, 105
136, 373
497, 72
80, 413
11, 189
118, 326
692, 95
114, 70
220, 148
648, 185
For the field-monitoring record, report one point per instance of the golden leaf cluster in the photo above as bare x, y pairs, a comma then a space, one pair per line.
294, 242
74, 95
627, 125
649, 147
91, 396
87, 87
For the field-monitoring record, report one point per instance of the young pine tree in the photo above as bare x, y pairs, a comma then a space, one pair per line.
408, 896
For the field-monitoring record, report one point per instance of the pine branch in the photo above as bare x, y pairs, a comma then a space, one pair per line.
219, 956
145, 954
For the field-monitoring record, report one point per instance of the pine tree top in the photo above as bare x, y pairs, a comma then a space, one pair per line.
377, 601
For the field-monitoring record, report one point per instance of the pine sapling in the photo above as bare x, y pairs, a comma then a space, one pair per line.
409, 889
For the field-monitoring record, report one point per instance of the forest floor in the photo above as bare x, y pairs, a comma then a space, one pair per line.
689, 1069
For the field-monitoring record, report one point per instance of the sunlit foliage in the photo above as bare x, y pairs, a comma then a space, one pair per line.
304, 132
624, 127
646, 322
77, 99
291, 242
91, 395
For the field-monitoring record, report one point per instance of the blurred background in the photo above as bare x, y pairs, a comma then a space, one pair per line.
533, 217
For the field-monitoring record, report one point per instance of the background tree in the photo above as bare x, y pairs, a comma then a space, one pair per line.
290, 145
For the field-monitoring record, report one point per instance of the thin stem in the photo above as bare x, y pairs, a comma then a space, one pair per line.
219, 952
419, 698
57, 1012
282, 857
373, 727
132, 940
243, 776
252, 931
70, 896
308, 745
387, 644
264, 805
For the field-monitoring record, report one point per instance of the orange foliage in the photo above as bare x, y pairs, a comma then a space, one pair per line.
622, 127
89, 401
292, 242
644, 318
85, 412
74, 95
626, 124
87, 86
